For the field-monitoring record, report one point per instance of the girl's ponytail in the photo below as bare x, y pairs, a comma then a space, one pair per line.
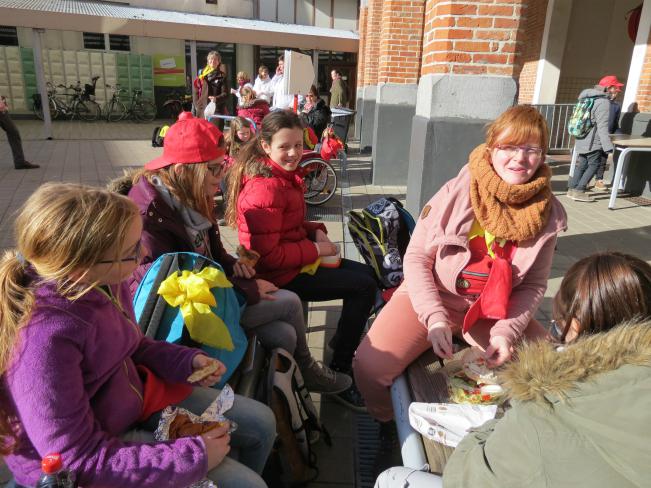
16, 302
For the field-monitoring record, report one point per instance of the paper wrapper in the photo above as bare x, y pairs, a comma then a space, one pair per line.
448, 423
214, 412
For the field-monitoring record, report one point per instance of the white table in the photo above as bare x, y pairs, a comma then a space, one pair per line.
628, 145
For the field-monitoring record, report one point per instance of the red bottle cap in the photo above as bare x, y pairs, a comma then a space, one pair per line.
51, 463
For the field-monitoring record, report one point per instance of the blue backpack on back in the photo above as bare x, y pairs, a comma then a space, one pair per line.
192, 317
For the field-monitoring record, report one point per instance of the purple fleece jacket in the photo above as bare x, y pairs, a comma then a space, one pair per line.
74, 388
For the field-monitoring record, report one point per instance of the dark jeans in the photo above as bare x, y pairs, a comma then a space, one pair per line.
586, 167
599, 175
353, 282
14, 138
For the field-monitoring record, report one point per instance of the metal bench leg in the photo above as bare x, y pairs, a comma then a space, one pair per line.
621, 162
411, 445
575, 156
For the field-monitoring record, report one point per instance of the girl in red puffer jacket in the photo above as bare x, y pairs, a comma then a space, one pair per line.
265, 202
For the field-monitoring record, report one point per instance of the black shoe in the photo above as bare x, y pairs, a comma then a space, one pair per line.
26, 165
388, 454
350, 397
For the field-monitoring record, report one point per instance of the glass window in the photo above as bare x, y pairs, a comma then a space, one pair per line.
94, 40
119, 43
8, 36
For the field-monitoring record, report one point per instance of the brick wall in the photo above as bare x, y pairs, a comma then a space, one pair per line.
372, 44
643, 97
473, 36
534, 29
361, 58
401, 38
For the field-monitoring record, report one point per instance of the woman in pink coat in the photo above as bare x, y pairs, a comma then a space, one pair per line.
477, 264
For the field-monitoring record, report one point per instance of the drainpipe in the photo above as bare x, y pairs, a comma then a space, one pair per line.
637, 60
40, 82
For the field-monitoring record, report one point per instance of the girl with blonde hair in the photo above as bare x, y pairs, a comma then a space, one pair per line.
77, 372
252, 107
211, 85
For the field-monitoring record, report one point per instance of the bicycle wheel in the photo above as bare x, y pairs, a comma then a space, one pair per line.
320, 181
172, 109
38, 110
144, 111
115, 111
88, 110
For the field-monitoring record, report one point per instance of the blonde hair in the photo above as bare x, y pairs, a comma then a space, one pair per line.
234, 143
247, 94
262, 69
186, 183
63, 228
212, 55
244, 75
523, 123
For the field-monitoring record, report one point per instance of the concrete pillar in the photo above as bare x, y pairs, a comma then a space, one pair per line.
40, 82
194, 68
315, 66
468, 78
368, 113
244, 60
548, 73
401, 40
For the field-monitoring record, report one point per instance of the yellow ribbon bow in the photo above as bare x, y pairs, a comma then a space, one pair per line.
190, 292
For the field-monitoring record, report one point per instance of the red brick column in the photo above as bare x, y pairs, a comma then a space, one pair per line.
361, 58
534, 29
643, 97
401, 41
372, 43
474, 37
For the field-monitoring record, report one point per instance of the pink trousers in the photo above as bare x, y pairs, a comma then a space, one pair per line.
394, 341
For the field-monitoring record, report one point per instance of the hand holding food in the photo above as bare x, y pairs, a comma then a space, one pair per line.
498, 352
247, 256
207, 371
476, 383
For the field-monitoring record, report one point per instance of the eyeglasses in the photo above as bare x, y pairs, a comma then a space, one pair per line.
136, 256
557, 331
529, 151
216, 169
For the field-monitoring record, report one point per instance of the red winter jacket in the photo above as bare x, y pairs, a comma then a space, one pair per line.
271, 220
254, 110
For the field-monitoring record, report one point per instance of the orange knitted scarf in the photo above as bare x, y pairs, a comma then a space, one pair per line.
513, 212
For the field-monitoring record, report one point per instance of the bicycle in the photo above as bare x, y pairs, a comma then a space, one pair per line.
319, 177
177, 103
139, 109
80, 104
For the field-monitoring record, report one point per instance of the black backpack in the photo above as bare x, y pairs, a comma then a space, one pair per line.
381, 233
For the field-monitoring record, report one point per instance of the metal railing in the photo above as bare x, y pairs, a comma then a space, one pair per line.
557, 116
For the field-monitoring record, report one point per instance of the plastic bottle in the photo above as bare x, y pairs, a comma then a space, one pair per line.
54, 474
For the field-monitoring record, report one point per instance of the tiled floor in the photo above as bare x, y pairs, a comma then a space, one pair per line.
94, 153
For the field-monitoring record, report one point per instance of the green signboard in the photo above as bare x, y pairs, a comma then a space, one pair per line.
169, 70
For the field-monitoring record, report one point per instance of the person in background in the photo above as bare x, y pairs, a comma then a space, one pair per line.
315, 113
580, 411
243, 80
252, 108
13, 136
338, 90
80, 378
613, 88
592, 149
211, 85
281, 99
262, 85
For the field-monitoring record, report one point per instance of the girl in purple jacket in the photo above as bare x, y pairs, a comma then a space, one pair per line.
79, 377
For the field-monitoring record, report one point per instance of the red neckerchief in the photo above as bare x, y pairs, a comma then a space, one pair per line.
493, 301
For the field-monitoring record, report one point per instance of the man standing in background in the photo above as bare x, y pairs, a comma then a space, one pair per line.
338, 90
613, 87
14, 137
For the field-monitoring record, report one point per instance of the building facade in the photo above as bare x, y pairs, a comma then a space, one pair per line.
125, 42
432, 73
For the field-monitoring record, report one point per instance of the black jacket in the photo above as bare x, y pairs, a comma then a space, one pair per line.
318, 118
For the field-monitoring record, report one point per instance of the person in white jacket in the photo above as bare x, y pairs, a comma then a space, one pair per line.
282, 100
263, 84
